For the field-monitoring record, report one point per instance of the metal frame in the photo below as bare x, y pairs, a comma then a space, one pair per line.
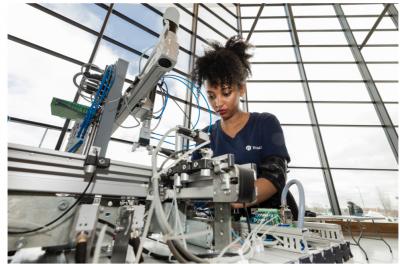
373, 92
394, 15
245, 103
330, 187
385, 9
255, 22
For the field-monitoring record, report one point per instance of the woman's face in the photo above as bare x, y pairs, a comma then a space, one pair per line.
225, 99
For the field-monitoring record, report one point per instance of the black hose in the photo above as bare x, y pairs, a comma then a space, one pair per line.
135, 242
246, 211
80, 253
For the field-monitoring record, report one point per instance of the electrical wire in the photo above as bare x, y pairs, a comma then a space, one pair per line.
247, 217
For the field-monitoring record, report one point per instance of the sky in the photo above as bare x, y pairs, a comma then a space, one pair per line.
34, 78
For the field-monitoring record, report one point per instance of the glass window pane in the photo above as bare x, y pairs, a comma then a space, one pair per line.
339, 92
361, 22
384, 71
287, 113
388, 91
322, 38
122, 31
377, 199
217, 9
272, 11
249, 10
17, 134
216, 22
371, 9
353, 147
89, 15
379, 37
269, 38
301, 146
346, 114
273, 54
275, 91
275, 72
266, 24
393, 110
231, 7
317, 23
141, 14
313, 183
326, 54
33, 81
380, 53
209, 34
310, 10
332, 72
49, 32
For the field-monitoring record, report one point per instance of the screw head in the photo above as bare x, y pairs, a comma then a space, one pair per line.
63, 204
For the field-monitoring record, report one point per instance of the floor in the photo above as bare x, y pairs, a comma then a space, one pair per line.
377, 251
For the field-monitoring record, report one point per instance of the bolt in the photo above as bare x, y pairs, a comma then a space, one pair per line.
221, 233
62, 205
119, 228
221, 221
184, 167
102, 161
110, 203
196, 164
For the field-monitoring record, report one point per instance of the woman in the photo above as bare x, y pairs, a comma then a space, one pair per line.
251, 137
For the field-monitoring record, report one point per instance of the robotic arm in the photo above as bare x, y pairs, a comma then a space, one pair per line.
135, 101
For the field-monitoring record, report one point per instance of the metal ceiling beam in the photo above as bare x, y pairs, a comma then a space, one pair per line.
376, 24
193, 43
394, 15
373, 92
255, 21
330, 187
245, 103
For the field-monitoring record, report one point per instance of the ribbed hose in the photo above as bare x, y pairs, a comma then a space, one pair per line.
300, 222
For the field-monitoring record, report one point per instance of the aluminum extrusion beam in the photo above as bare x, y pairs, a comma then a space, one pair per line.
42, 170
385, 9
313, 117
394, 15
373, 92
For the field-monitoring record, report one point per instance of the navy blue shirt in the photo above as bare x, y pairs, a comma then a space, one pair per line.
262, 136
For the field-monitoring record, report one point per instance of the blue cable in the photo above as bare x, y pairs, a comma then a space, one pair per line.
195, 96
101, 93
199, 89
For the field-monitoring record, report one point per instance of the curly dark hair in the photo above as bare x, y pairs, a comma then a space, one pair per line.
224, 65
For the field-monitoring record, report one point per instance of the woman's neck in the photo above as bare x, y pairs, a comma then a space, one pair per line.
237, 120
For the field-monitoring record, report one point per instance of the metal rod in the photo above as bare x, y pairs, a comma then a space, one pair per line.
312, 16
245, 103
91, 59
255, 21
217, 16
330, 187
385, 9
386, 122
227, 10
44, 135
317, 30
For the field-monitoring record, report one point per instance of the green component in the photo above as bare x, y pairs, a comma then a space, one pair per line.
66, 109
264, 214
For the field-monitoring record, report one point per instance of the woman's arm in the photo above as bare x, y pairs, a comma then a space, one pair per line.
265, 189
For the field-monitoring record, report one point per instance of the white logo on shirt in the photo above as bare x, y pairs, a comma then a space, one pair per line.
248, 147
